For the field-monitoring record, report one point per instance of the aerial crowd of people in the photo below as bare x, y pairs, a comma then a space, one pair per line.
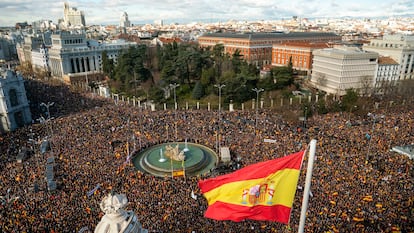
358, 183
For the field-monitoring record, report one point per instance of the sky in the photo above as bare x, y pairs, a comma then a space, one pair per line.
103, 12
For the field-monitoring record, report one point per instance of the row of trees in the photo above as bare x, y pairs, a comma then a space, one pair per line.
195, 69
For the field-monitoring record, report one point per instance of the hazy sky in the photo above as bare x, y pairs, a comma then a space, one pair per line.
185, 11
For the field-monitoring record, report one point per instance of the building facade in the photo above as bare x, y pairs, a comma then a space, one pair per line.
256, 48
40, 58
72, 55
299, 53
124, 23
334, 70
73, 16
398, 47
386, 76
14, 106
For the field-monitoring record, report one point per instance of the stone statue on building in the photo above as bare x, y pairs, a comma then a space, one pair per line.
116, 218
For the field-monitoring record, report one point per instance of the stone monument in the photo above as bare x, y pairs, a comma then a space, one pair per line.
116, 219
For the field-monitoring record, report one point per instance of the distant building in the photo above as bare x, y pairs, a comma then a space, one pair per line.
299, 53
25, 48
256, 48
159, 22
14, 106
386, 76
72, 16
4, 50
124, 23
334, 70
22, 25
398, 47
40, 58
7, 48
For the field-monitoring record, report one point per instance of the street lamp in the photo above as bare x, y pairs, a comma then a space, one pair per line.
257, 104
219, 86
374, 119
174, 86
304, 117
47, 107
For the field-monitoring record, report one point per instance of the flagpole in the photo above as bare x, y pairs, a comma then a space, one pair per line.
307, 186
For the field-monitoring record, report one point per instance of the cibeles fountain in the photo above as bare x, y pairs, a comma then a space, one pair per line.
116, 218
176, 159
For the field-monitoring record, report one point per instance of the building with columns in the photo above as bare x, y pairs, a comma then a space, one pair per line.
337, 69
398, 47
14, 106
256, 48
72, 56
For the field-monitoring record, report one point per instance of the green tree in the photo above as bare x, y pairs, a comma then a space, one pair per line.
108, 65
282, 76
349, 99
198, 91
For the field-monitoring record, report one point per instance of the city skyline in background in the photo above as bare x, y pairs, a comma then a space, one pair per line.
106, 12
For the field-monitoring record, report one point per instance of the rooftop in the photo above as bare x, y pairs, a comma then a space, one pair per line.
259, 36
387, 60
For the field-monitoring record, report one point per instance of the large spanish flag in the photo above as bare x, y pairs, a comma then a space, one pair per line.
262, 191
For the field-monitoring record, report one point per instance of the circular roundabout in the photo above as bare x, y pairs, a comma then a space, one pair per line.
176, 159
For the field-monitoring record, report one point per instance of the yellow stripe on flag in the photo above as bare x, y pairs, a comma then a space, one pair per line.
283, 183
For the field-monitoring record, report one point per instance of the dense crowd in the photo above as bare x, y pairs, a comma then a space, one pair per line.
358, 184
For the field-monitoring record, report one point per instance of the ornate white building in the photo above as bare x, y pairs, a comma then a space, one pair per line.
340, 68
72, 55
116, 219
40, 58
73, 16
398, 47
124, 21
14, 106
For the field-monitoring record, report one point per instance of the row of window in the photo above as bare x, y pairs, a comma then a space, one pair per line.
288, 56
73, 41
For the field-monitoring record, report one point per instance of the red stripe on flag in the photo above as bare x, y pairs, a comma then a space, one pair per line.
254, 171
237, 213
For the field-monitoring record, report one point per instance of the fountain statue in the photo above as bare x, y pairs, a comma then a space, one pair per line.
174, 154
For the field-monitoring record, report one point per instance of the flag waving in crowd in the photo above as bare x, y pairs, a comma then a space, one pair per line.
262, 191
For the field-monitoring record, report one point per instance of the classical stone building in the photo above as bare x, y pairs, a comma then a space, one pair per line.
73, 16
73, 57
14, 106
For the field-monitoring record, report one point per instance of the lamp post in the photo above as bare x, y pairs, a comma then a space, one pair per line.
219, 86
257, 104
304, 117
174, 86
47, 106
374, 119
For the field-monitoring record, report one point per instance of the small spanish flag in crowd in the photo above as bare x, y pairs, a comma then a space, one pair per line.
262, 191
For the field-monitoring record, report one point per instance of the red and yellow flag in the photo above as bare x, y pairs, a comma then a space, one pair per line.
262, 191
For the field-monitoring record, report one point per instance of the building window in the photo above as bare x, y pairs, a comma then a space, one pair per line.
14, 101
